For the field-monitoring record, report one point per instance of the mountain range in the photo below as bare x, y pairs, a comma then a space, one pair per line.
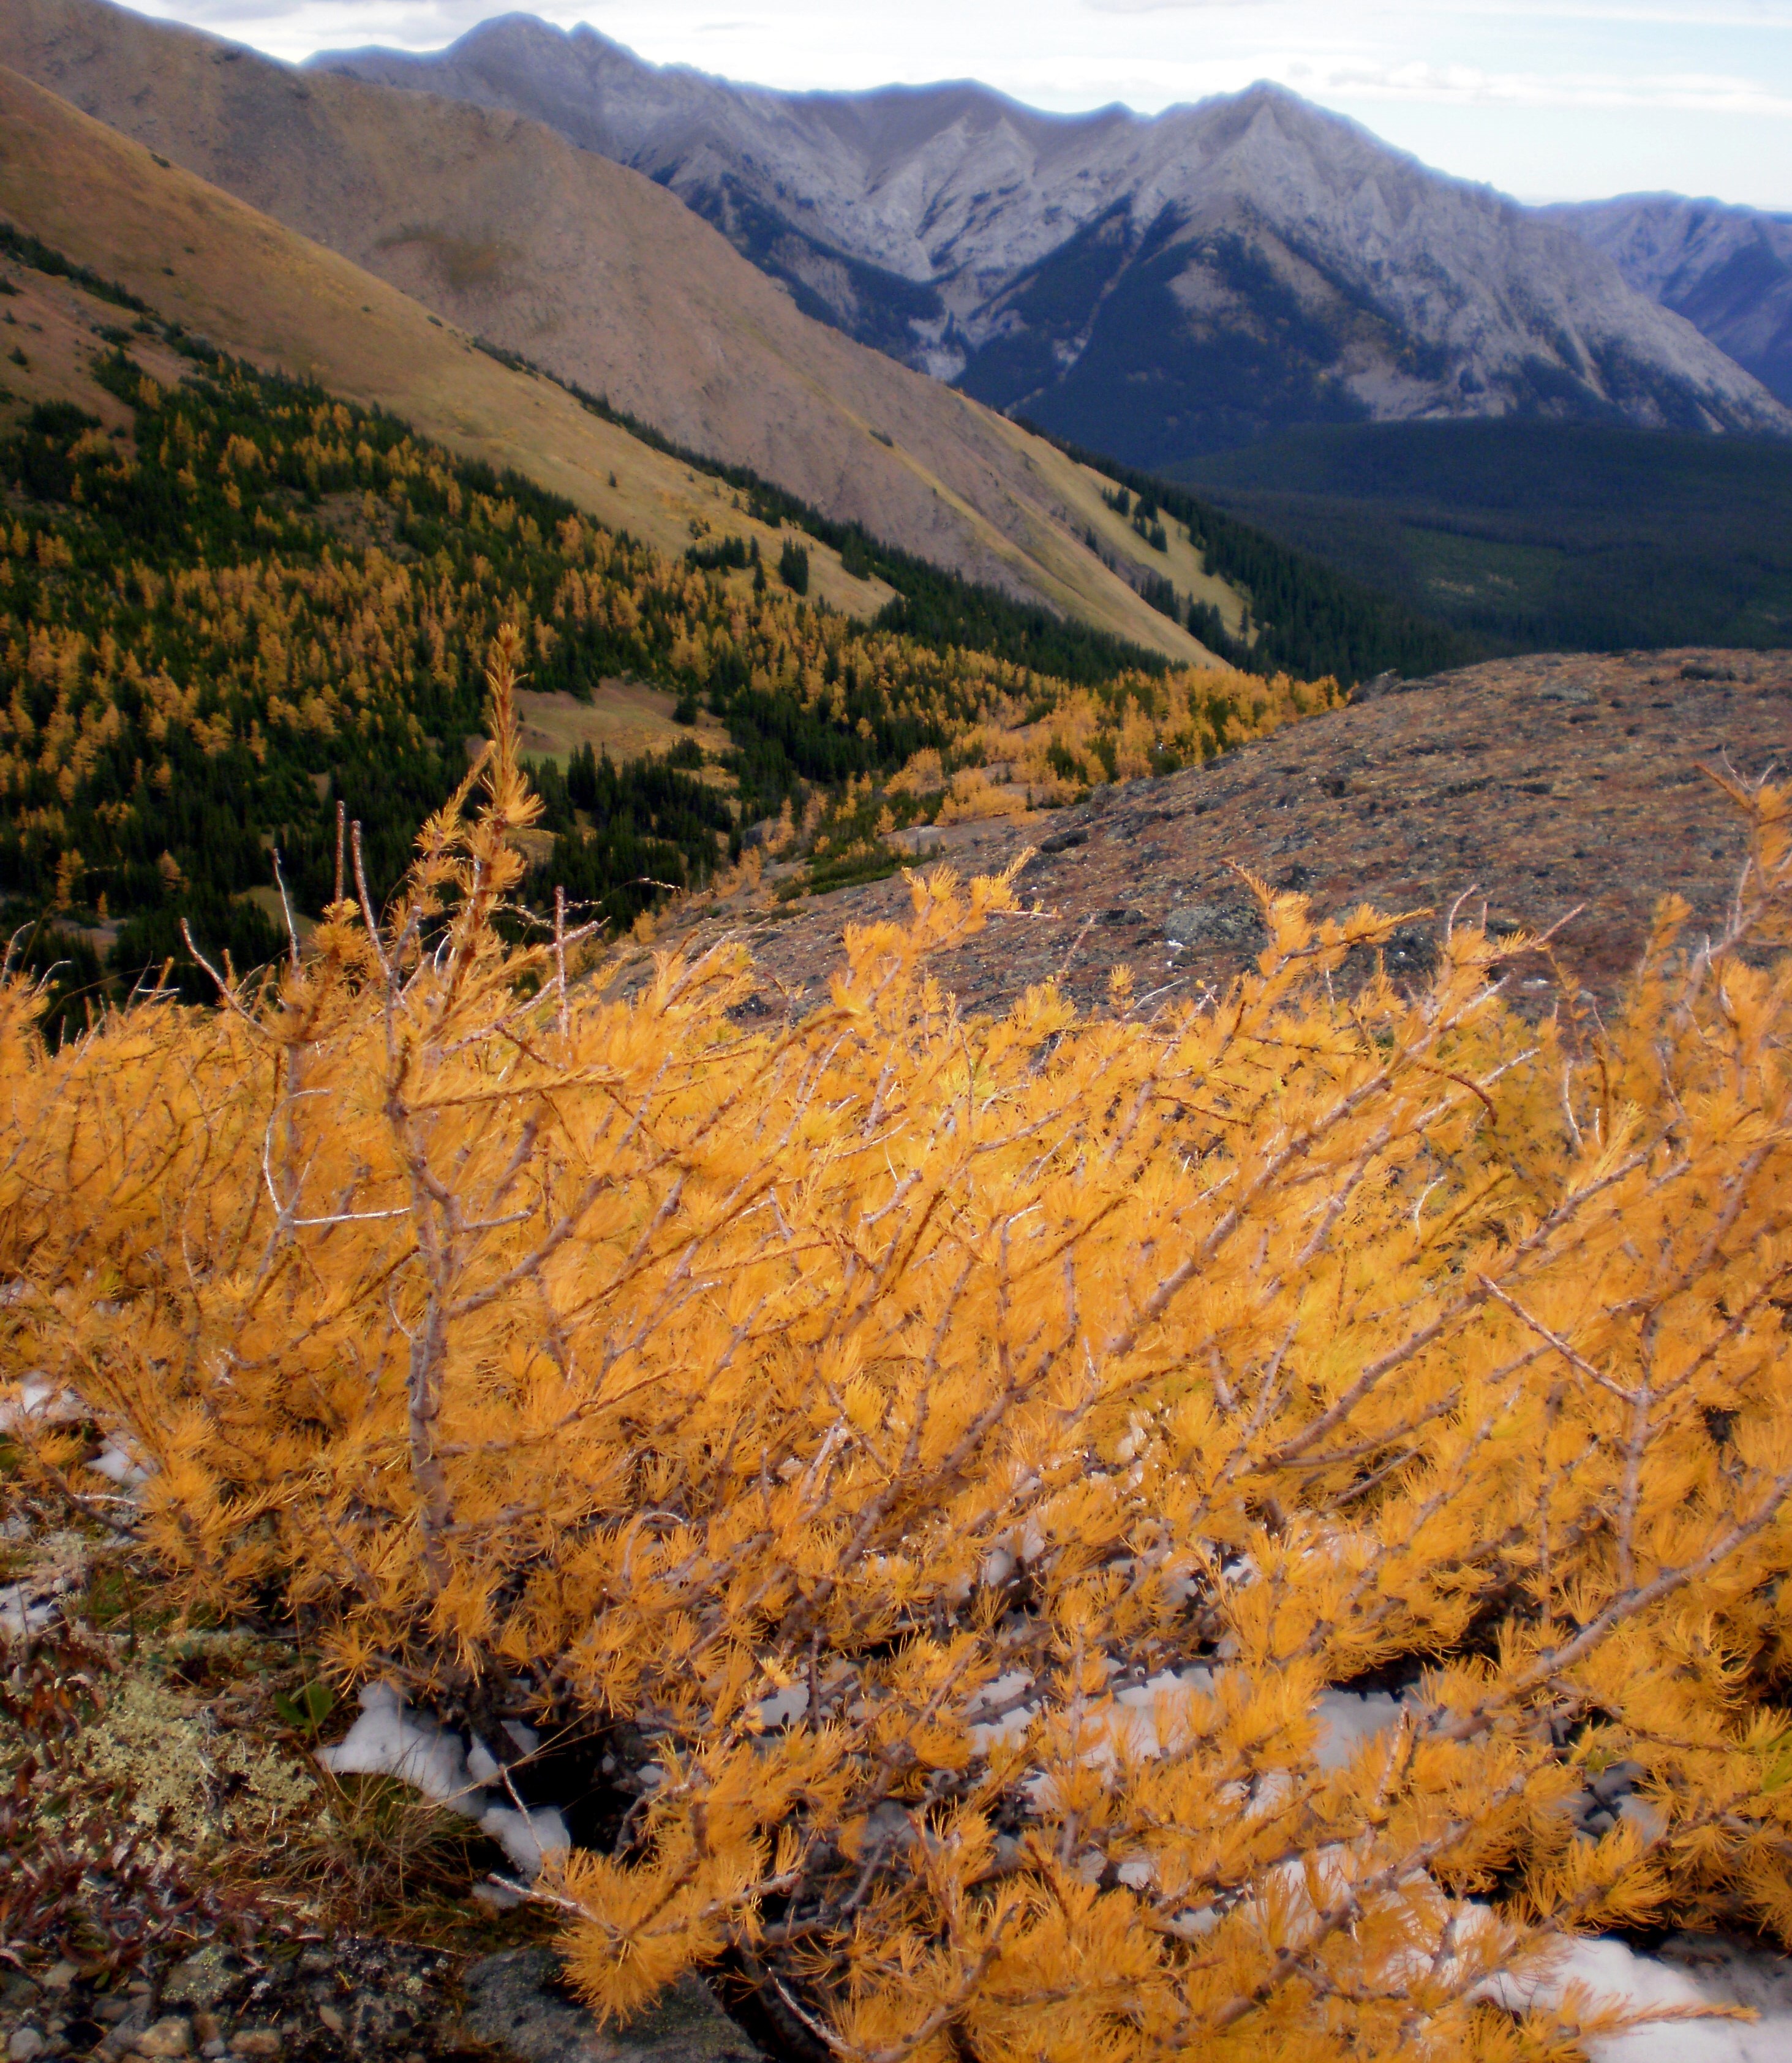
565, 260
1727, 269
1164, 287
1493, 433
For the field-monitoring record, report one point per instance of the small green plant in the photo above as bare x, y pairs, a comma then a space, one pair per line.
306, 1709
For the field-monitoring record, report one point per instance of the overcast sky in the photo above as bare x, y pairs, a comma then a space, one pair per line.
1547, 98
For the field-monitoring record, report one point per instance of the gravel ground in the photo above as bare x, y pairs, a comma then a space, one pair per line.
1540, 785
350, 1996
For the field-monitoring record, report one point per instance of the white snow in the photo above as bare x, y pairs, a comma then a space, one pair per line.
1727, 1974
528, 1835
118, 1463
783, 1705
40, 1402
1347, 1718
390, 1738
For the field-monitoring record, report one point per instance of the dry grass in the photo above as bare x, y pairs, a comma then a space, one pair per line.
377, 1852
625, 718
56, 327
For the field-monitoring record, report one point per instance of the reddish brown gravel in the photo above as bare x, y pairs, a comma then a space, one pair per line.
1541, 786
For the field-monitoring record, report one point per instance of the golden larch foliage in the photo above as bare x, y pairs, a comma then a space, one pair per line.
948, 1459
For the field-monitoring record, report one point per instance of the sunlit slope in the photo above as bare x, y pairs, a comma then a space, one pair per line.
588, 269
259, 291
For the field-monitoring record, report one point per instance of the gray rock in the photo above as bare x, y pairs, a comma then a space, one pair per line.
513, 2002
1214, 927
203, 1979
1411, 949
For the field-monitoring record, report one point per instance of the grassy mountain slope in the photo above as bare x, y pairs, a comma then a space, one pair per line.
1532, 536
228, 273
257, 290
1302, 615
589, 270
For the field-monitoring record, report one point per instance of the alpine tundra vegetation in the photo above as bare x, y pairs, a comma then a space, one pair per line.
744, 1311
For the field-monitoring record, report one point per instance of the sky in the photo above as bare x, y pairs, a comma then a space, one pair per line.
1546, 100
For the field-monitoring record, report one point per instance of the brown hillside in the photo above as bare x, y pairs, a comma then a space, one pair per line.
1543, 785
263, 293
593, 272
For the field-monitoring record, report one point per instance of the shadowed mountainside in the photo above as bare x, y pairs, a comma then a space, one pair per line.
1531, 536
1727, 269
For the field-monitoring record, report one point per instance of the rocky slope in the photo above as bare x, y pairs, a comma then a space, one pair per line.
1727, 269
1153, 288
497, 224
1564, 790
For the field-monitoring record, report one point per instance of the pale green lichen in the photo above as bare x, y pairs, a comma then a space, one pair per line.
201, 1785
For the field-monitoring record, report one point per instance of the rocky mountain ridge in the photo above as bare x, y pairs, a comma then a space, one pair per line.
1154, 287
1561, 792
1727, 269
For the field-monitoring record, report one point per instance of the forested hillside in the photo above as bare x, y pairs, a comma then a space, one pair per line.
264, 610
1536, 536
1306, 617
1302, 617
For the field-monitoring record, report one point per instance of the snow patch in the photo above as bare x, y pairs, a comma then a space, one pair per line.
390, 1738
1347, 1719
39, 1402
528, 1834
119, 1464
1691, 1971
